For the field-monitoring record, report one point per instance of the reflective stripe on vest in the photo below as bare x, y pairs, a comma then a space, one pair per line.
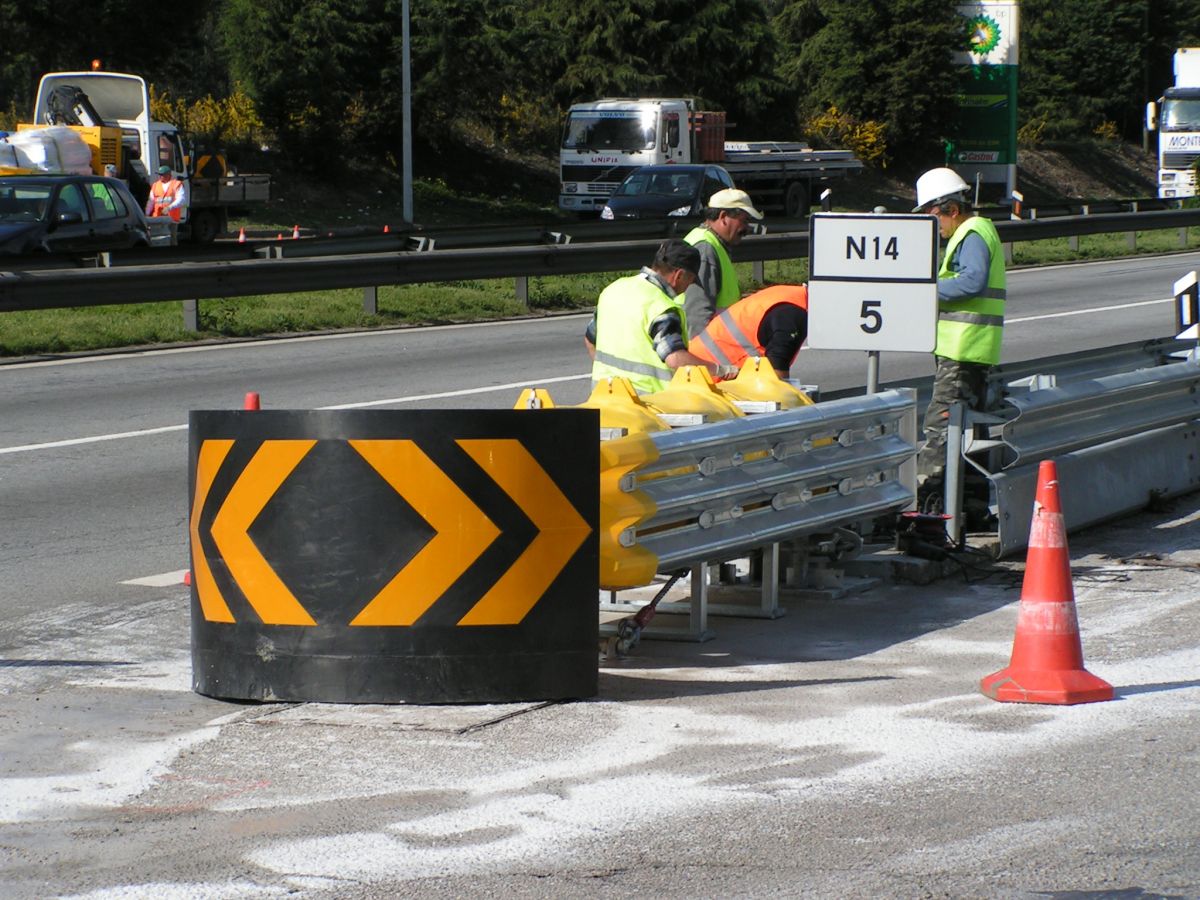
970, 330
727, 339
729, 292
623, 344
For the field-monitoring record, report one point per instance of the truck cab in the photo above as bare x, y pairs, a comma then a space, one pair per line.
1177, 119
121, 101
604, 140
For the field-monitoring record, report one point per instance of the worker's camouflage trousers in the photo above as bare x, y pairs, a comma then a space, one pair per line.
953, 381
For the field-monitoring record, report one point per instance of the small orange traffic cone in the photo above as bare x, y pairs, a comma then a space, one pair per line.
252, 401
295, 232
279, 235
187, 578
241, 235
1047, 655
386, 229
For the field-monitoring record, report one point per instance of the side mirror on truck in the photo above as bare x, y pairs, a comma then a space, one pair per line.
1151, 116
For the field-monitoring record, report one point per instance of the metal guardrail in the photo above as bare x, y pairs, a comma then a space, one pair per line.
1119, 440
709, 492
189, 281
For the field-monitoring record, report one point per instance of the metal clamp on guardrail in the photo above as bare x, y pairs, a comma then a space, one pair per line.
712, 492
1119, 442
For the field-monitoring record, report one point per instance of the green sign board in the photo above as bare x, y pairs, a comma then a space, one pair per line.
987, 90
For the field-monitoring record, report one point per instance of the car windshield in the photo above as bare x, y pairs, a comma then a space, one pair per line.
627, 130
661, 184
23, 203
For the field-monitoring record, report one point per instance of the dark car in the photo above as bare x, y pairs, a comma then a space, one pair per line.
68, 214
653, 192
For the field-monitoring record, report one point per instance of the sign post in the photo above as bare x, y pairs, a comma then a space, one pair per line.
872, 285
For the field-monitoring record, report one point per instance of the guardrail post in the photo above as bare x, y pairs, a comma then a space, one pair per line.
1073, 240
522, 287
1132, 237
954, 471
1183, 236
371, 300
1008, 254
191, 315
760, 271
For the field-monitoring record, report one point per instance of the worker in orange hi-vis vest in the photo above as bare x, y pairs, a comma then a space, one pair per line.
168, 196
771, 323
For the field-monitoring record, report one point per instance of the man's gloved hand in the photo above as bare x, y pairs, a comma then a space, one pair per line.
727, 373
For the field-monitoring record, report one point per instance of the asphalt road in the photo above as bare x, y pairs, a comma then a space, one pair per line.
840, 751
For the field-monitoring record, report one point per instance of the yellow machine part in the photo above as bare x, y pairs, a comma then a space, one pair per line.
621, 407
758, 381
104, 141
692, 392
624, 567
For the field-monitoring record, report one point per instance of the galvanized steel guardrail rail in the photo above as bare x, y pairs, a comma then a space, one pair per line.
1119, 440
711, 492
190, 281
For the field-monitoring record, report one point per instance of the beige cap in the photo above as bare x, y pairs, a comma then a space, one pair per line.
732, 198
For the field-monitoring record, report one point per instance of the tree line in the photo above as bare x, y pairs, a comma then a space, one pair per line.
325, 76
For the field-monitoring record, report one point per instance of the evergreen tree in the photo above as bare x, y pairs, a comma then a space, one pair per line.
888, 61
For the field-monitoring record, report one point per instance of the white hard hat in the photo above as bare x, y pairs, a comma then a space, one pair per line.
939, 184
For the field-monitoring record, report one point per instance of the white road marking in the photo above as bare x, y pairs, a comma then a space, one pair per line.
166, 579
415, 398
1085, 312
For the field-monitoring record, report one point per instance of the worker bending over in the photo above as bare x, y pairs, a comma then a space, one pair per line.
771, 323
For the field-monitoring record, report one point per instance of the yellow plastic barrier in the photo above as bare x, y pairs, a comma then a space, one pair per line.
692, 392
757, 381
621, 408
621, 566
534, 398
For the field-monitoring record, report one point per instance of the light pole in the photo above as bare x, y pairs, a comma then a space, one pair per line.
406, 133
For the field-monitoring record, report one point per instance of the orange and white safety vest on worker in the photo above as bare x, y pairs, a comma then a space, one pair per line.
771, 323
168, 196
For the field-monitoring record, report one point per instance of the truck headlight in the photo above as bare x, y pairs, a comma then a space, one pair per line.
607, 213
682, 211
1168, 176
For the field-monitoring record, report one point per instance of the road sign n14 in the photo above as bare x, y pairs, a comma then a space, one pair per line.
864, 247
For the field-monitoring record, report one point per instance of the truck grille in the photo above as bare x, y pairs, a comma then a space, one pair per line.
1182, 160
606, 174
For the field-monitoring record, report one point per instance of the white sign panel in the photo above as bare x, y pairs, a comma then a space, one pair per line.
993, 28
853, 315
873, 282
872, 247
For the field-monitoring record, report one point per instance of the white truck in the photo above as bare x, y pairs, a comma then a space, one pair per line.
1177, 118
111, 111
604, 140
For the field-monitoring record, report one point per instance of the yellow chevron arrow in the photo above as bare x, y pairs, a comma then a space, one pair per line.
560, 531
208, 463
463, 532
259, 481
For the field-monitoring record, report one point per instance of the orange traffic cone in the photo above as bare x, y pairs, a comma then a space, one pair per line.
1047, 656
279, 235
252, 401
295, 232
241, 235
386, 229
187, 578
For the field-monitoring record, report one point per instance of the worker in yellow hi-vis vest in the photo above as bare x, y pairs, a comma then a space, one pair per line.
639, 330
971, 291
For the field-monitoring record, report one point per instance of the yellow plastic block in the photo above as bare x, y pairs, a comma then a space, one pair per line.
758, 381
692, 392
620, 566
621, 407
534, 398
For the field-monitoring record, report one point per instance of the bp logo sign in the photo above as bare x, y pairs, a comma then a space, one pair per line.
983, 34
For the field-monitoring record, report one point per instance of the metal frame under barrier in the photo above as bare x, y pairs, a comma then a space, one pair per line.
1119, 441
